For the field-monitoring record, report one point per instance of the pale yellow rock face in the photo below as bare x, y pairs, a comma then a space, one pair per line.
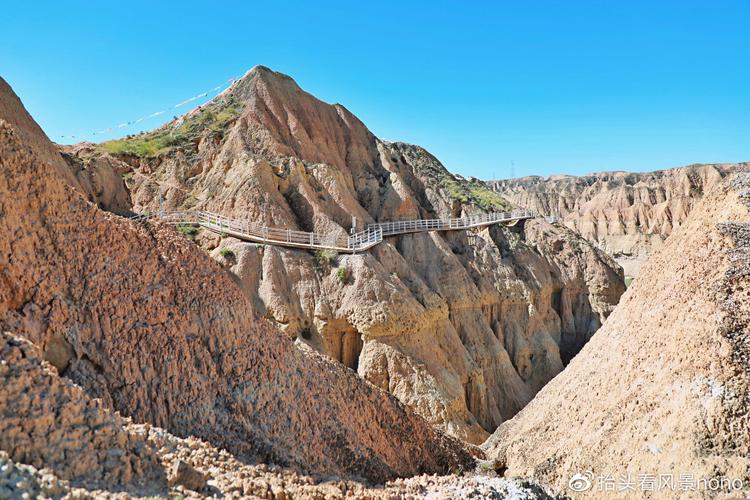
141, 318
662, 387
629, 215
464, 327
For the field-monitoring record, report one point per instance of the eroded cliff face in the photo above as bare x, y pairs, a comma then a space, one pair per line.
100, 177
464, 327
629, 215
142, 319
662, 387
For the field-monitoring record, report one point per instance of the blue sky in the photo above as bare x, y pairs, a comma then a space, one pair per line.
550, 87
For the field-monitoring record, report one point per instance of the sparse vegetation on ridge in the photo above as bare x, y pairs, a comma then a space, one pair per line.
467, 191
181, 133
474, 191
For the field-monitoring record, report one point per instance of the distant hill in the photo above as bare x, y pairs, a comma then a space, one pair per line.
627, 214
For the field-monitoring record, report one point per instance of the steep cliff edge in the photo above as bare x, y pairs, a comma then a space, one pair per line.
662, 387
629, 215
464, 326
141, 318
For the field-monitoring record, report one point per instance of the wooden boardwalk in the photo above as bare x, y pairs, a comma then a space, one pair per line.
357, 242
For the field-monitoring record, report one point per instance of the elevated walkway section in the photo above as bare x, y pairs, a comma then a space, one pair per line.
372, 235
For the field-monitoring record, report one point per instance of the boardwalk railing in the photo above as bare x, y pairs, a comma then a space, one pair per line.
420, 225
372, 235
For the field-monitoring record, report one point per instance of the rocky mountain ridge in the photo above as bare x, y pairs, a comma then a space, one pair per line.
132, 364
627, 214
464, 327
149, 326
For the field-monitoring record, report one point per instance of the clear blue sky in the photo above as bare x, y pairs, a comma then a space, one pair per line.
556, 87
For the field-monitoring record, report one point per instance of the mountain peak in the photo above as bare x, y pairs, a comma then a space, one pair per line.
275, 117
260, 73
261, 82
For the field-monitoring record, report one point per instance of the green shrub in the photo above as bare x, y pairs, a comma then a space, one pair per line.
188, 230
342, 273
325, 256
486, 466
226, 253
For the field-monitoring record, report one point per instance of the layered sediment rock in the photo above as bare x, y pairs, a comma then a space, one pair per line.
464, 326
629, 215
101, 177
142, 319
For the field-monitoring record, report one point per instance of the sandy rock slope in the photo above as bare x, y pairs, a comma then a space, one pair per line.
142, 319
662, 387
464, 327
627, 214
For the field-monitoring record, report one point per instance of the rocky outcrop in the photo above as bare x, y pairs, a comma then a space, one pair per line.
101, 177
142, 319
63, 444
629, 215
185, 475
13, 112
26, 481
49, 422
661, 388
232, 478
464, 327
